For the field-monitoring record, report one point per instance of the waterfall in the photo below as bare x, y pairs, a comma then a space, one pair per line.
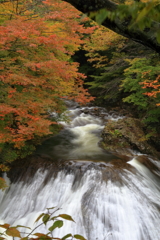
109, 199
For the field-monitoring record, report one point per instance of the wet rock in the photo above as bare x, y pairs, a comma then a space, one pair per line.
124, 134
42, 163
25, 169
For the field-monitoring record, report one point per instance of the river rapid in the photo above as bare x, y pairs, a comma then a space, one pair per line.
108, 197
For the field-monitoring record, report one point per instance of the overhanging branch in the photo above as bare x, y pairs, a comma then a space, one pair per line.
147, 37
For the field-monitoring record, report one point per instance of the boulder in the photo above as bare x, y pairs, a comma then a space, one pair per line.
125, 136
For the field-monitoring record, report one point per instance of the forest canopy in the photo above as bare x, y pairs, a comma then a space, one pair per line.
37, 41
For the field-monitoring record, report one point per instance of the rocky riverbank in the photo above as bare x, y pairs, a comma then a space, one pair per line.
123, 137
125, 134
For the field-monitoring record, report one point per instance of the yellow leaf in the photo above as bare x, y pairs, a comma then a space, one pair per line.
13, 232
5, 226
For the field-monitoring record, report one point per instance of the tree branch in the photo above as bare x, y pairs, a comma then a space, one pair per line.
92, 5
147, 37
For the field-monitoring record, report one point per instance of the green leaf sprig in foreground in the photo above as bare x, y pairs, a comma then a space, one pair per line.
45, 218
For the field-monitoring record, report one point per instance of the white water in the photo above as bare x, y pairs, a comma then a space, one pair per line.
107, 203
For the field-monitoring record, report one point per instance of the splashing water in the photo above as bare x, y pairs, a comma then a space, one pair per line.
107, 201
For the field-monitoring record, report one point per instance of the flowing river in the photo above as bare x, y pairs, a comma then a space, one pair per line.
109, 198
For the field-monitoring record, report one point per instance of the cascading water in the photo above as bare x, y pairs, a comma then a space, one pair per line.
108, 198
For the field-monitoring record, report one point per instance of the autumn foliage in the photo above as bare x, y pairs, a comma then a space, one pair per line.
103, 41
37, 40
154, 85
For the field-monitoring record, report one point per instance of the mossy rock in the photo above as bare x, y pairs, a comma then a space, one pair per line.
126, 133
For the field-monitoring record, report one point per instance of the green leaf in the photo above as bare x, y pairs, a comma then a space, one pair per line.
51, 208
39, 234
56, 224
22, 226
142, 18
66, 216
46, 218
13, 232
41, 215
101, 16
54, 217
145, 10
77, 236
67, 236
42, 236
